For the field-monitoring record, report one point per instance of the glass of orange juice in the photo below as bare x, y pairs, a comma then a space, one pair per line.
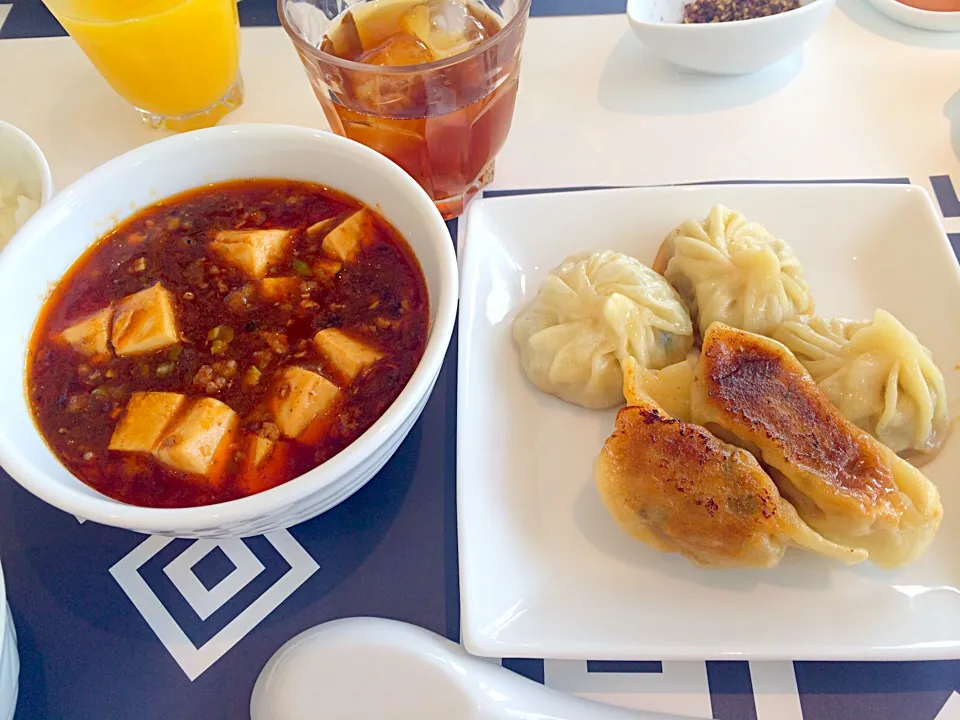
176, 61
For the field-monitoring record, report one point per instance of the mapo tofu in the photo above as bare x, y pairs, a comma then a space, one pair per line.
224, 341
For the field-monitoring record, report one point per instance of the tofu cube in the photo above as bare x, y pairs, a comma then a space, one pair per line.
345, 240
318, 228
193, 443
300, 398
326, 269
253, 251
259, 450
276, 289
90, 336
147, 416
349, 356
144, 322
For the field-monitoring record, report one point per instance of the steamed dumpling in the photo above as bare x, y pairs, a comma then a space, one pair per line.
877, 374
731, 270
591, 312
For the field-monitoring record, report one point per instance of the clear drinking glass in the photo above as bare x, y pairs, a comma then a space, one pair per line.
431, 84
176, 61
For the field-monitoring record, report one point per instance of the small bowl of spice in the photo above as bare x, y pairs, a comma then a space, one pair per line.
726, 37
937, 15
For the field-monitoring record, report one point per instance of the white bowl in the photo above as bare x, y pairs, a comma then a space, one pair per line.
9, 659
915, 17
9, 668
22, 157
726, 48
53, 238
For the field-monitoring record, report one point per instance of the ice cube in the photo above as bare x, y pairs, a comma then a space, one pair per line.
343, 39
445, 27
397, 51
393, 94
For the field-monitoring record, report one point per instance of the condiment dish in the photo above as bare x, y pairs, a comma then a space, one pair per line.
724, 48
60, 231
938, 21
22, 160
21, 156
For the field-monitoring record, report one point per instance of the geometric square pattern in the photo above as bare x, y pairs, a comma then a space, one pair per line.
775, 691
193, 658
767, 691
710, 690
950, 709
681, 687
205, 601
213, 568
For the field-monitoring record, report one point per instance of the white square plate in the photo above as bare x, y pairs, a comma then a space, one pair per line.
545, 572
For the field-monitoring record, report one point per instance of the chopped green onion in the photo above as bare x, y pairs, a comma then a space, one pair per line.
99, 392
252, 376
300, 267
221, 332
174, 353
165, 369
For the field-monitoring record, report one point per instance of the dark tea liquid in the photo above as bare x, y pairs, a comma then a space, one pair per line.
443, 125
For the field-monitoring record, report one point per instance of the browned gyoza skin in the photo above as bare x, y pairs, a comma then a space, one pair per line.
843, 482
678, 488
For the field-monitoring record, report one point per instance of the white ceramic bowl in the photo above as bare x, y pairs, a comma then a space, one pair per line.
9, 669
22, 158
53, 238
915, 17
727, 48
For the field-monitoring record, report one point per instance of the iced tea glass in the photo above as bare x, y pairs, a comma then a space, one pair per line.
431, 84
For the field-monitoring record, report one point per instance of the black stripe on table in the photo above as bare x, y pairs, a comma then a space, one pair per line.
30, 18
